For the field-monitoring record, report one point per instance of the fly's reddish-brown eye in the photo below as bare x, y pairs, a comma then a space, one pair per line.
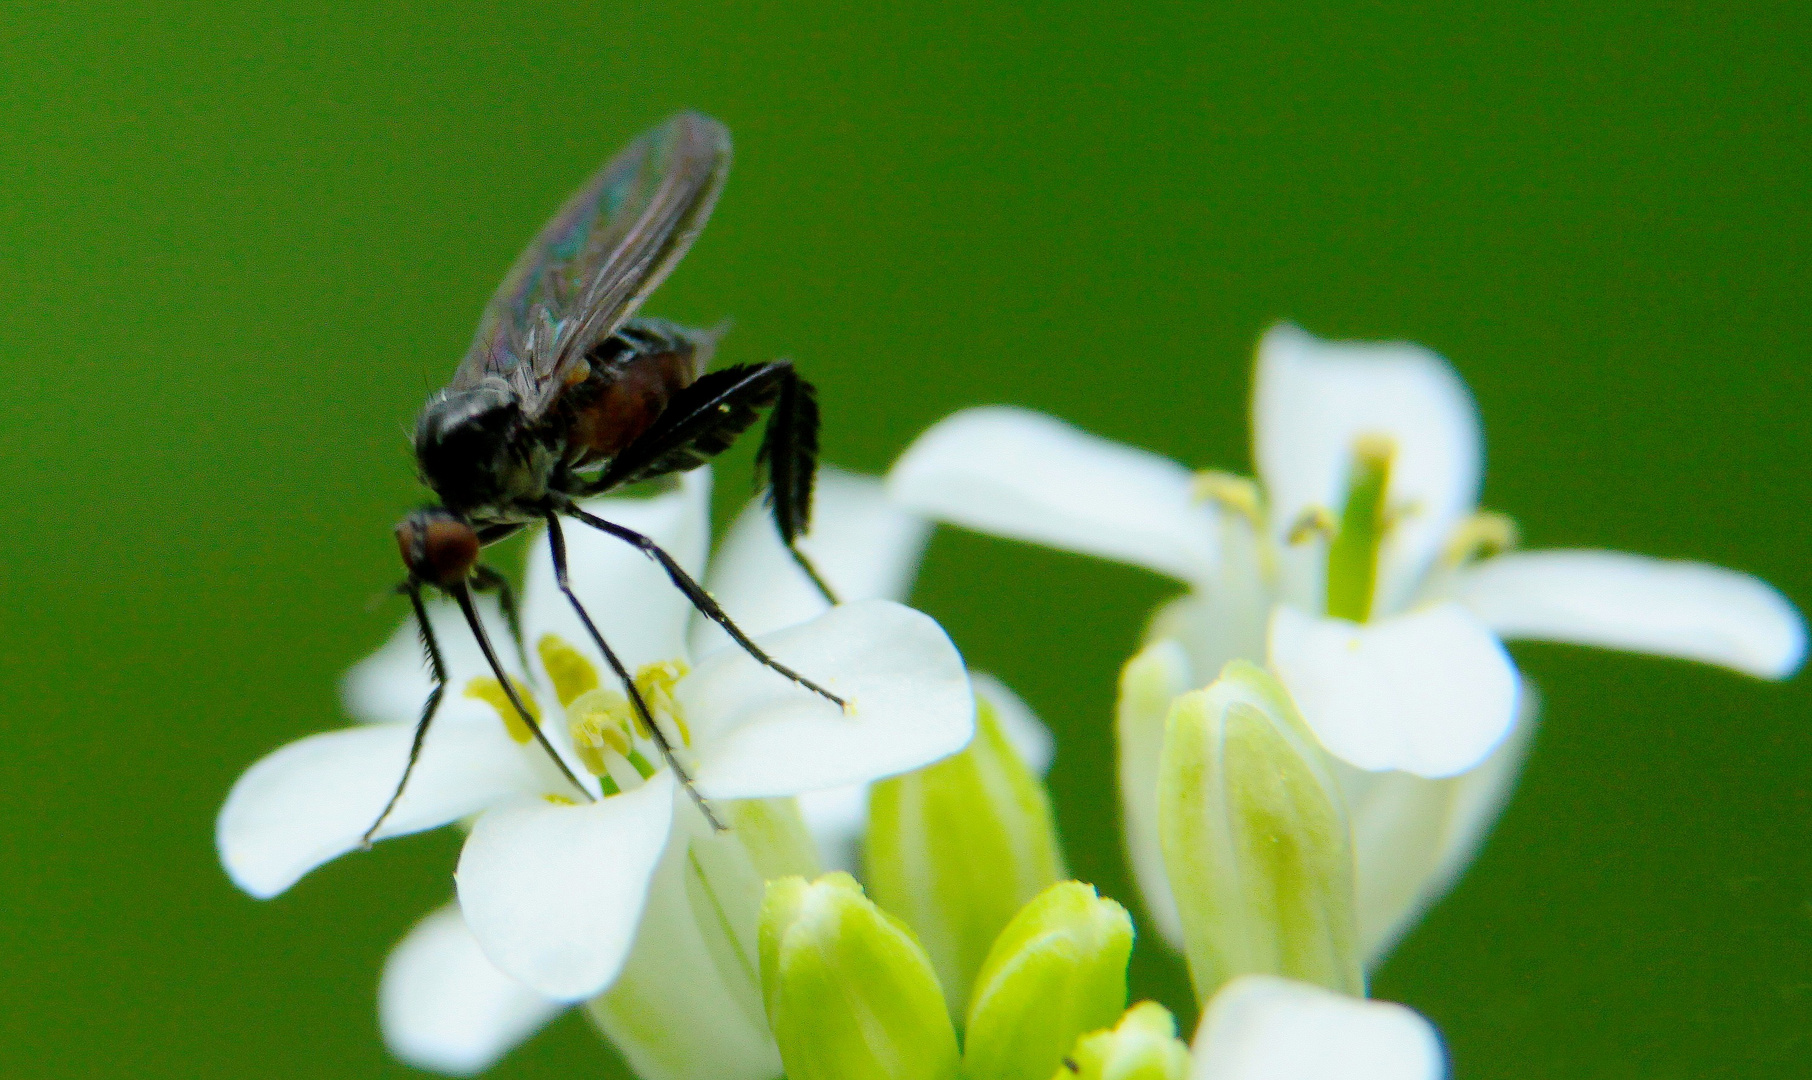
437, 549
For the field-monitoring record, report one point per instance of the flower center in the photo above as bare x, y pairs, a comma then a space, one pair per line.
607, 734
1352, 578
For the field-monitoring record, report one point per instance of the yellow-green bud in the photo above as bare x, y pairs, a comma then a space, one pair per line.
1143, 1046
957, 848
850, 995
1056, 971
1255, 839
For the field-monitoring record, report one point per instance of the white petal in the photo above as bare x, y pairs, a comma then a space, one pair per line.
553, 893
690, 975
390, 685
444, 1007
1024, 732
1312, 398
312, 800
1261, 1027
1027, 476
1683, 609
865, 545
630, 598
1150, 682
1430, 692
1412, 838
758, 734
838, 817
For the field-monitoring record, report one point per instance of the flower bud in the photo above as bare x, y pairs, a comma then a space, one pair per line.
1143, 1046
850, 995
1255, 839
1056, 971
957, 848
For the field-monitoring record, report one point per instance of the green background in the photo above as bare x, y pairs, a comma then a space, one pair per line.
238, 246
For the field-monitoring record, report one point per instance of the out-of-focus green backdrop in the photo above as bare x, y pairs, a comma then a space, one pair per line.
240, 243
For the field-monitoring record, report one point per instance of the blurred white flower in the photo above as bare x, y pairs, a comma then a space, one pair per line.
1264, 1027
1261, 1027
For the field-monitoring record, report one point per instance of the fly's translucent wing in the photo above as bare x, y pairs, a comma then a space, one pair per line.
590, 268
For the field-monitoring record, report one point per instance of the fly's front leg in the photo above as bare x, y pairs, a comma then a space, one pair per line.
487, 579
788, 460
557, 546
438, 669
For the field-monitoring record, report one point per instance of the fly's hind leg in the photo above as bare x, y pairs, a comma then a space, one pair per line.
705, 418
788, 461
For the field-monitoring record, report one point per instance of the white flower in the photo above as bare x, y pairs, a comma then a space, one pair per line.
1385, 625
553, 882
867, 547
1358, 568
1261, 1027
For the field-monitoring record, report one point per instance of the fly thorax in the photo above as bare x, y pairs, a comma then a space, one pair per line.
472, 450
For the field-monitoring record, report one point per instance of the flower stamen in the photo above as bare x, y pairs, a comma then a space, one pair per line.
488, 690
1233, 492
655, 683
571, 673
1480, 536
600, 722
1314, 522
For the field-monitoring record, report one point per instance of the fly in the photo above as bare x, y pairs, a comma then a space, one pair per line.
565, 394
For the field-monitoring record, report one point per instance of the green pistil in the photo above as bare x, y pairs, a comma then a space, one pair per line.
1353, 554
640, 763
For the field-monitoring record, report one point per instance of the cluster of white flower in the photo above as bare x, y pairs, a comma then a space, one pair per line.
1312, 742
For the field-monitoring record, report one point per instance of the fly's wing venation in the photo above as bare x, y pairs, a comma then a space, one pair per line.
588, 270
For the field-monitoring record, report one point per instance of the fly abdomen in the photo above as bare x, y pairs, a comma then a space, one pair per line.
634, 373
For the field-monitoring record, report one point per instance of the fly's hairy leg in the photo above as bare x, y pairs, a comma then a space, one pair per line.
788, 461
557, 543
438, 669
699, 598
485, 578
463, 597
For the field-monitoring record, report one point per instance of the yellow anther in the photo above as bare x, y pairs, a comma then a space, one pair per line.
491, 692
1481, 536
599, 722
1239, 494
1315, 522
559, 800
571, 673
656, 682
